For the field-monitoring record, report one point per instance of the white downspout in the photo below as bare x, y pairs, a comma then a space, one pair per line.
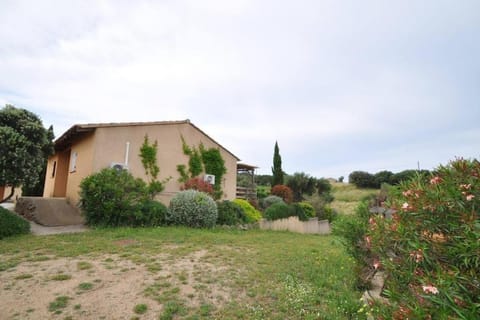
127, 149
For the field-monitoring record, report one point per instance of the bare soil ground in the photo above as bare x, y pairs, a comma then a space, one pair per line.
110, 286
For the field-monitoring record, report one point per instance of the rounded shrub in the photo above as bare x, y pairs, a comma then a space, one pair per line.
230, 213
11, 224
308, 209
268, 201
194, 209
283, 192
279, 210
115, 198
251, 214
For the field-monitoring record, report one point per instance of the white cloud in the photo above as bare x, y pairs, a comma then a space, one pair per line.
316, 76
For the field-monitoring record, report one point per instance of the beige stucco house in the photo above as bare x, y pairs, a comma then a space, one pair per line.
87, 148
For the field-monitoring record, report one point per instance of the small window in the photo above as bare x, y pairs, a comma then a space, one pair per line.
54, 168
73, 161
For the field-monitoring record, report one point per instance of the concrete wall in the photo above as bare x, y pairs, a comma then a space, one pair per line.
295, 225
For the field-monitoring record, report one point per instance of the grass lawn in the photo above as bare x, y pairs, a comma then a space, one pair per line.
176, 273
348, 196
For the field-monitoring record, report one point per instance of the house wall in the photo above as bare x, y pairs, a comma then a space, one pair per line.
110, 146
84, 149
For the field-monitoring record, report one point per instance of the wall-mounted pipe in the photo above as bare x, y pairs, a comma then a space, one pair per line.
127, 150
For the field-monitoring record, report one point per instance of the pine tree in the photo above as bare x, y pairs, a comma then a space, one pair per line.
277, 167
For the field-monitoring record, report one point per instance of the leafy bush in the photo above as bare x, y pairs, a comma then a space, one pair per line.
362, 179
278, 210
152, 213
115, 198
12, 224
429, 250
193, 209
199, 185
283, 192
296, 210
230, 213
352, 229
268, 201
327, 213
281, 210
308, 209
262, 192
251, 214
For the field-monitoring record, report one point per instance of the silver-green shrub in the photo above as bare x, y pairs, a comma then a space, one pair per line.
268, 201
193, 209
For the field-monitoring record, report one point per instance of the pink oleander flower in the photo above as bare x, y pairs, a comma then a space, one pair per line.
368, 240
435, 180
465, 186
430, 289
405, 205
417, 255
470, 197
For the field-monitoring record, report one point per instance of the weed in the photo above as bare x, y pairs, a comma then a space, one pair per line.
140, 308
23, 276
85, 286
61, 277
172, 308
84, 265
59, 303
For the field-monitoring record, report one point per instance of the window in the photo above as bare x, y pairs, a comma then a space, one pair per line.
73, 161
54, 168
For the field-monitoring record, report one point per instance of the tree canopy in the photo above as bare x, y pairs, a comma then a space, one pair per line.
24, 147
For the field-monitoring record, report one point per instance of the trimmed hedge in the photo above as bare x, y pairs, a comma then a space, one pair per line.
11, 224
193, 208
268, 201
308, 209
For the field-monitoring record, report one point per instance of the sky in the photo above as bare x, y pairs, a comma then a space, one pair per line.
341, 85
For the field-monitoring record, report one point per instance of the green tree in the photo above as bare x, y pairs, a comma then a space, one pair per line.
301, 183
277, 166
24, 148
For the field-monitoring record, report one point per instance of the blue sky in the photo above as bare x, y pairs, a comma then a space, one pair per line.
342, 85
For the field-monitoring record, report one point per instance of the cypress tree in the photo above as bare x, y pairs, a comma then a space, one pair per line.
277, 167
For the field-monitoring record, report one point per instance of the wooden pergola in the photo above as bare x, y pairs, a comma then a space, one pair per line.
243, 192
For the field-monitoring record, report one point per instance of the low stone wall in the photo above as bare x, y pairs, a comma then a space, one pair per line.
48, 211
295, 225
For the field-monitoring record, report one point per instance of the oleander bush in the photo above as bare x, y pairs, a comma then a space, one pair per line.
430, 249
114, 197
252, 215
12, 224
193, 209
268, 201
283, 192
230, 213
308, 209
